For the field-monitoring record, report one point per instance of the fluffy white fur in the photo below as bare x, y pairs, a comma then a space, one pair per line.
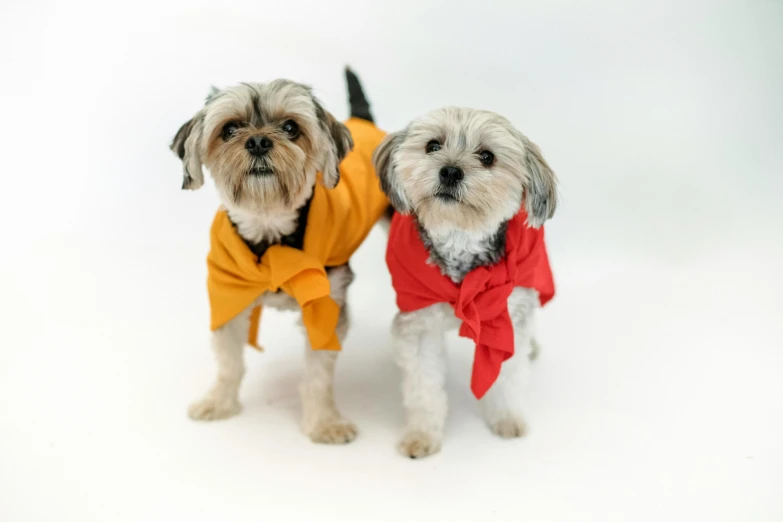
461, 232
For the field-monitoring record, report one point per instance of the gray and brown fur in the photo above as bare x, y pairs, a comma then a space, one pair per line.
462, 220
266, 192
483, 201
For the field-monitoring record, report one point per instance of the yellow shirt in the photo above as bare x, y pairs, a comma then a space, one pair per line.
339, 220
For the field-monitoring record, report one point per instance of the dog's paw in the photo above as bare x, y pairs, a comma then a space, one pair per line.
208, 409
509, 427
419, 444
338, 431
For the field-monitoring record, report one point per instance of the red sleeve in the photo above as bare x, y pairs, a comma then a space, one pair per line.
417, 283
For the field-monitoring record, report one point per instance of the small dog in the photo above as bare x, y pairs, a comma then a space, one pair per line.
468, 188
286, 230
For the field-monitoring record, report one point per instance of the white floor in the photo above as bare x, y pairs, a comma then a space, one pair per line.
659, 391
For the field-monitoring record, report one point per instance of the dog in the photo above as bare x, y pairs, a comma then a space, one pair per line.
470, 193
299, 195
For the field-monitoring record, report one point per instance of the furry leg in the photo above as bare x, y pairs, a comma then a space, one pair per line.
420, 350
228, 344
501, 403
321, 420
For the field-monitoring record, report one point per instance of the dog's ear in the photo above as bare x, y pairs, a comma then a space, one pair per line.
340, 143
383, 159
541, 190
187, 145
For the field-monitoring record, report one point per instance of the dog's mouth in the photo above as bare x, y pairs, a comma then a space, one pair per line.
260, 170
260, 167
446, 197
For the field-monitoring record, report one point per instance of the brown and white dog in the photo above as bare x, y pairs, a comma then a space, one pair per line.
264, 145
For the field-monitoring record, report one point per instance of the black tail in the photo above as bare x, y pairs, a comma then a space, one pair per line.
360, 107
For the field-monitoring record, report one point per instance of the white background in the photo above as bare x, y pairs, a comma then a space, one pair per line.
659, 391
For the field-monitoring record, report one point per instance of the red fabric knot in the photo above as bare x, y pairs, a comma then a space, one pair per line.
480, 301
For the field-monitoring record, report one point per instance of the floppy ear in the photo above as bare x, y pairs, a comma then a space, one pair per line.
383, 159
187, 145
340, 143
541, 191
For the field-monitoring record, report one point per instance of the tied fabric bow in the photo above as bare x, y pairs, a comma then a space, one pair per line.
236, 279
480, 301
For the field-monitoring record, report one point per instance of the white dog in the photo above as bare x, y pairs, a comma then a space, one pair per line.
468, 188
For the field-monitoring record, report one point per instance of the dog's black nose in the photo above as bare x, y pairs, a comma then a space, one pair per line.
451, 176
258, 145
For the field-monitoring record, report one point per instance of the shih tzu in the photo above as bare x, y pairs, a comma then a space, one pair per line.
299, 195
465, 248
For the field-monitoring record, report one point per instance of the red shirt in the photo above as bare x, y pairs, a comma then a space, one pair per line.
481, 300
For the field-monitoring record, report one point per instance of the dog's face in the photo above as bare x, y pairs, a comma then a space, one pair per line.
263, 144
458, 168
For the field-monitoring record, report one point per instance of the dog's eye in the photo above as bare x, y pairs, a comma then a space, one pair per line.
433, 146
229, 129
486, 157
291, 128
